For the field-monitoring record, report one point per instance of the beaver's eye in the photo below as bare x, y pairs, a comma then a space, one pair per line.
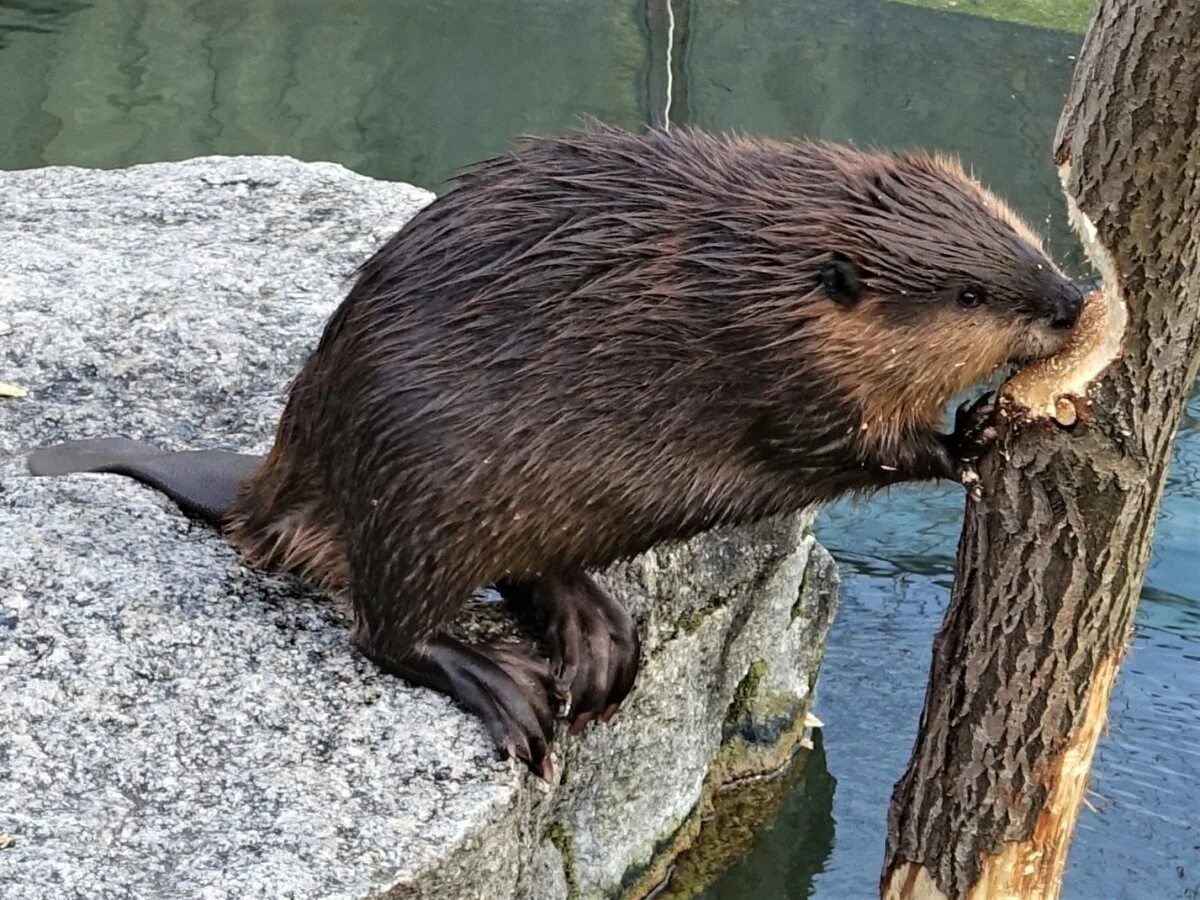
970, 297
839, 280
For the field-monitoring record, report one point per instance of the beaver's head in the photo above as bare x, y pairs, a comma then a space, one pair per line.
924, 243
930, 283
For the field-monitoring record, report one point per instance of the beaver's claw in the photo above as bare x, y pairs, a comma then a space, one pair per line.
974, 432
974, 428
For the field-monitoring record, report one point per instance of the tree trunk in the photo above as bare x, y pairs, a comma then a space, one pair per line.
1051, 562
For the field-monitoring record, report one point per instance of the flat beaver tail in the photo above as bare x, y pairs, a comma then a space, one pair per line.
204, 483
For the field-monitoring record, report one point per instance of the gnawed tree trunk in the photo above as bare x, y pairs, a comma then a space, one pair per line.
1051, 562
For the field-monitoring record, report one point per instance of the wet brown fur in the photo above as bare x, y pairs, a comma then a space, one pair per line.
605, 341
285, 521
899, 396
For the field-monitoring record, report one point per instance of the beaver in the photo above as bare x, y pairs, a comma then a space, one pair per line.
604, 341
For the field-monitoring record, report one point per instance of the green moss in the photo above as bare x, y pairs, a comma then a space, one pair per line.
742, 795
561, 839
690, 622
745, 692
648, 880
1061, 15
801, 593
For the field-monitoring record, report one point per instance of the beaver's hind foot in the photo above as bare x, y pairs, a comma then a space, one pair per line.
505, 684
592, 641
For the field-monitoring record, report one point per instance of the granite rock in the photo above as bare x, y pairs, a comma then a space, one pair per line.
174, 724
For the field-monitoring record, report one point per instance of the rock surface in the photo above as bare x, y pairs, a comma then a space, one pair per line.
173, 724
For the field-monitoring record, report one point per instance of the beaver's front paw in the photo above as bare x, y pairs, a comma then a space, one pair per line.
974, 432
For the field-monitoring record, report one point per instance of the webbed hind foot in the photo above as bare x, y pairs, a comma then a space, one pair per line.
592, 641
505, 685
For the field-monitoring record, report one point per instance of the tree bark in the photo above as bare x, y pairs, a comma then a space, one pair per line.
1051, 562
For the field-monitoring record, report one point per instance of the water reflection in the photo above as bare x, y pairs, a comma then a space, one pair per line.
788, 856
18, 18
398, 89
415, 89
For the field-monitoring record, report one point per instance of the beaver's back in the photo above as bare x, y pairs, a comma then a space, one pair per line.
558, 345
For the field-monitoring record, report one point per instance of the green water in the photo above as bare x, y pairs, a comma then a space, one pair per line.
414, 90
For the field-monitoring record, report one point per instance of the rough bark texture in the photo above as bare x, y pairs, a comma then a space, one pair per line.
1051, 563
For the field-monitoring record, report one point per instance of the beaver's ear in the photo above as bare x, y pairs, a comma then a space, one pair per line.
840, 281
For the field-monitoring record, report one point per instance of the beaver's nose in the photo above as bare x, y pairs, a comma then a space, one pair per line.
1067, 306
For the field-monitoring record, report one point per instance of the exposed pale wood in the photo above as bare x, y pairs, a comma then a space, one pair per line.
1032, 869
1057, 388
911, 881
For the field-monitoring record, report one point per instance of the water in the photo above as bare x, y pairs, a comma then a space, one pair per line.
415, 89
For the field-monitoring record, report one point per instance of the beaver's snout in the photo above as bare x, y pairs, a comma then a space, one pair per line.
1067, 306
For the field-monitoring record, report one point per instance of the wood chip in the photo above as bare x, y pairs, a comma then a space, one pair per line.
11, 390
